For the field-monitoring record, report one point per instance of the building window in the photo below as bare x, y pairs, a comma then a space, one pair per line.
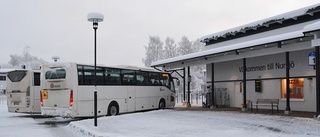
296, 86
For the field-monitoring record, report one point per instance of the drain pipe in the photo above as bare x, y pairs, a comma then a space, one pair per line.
316, 43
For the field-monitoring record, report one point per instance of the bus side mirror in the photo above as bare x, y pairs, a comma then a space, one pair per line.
178, 81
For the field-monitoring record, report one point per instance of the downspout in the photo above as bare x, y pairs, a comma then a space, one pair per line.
244, 81
288, 109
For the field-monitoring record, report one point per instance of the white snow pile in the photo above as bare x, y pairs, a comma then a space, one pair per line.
170, 123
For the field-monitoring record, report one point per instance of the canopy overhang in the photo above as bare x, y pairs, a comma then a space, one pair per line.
234, 47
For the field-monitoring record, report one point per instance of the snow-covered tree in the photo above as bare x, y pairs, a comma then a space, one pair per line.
25, 59
197, 45
15, 60
196, 71
185, 46
153, 50
170, 49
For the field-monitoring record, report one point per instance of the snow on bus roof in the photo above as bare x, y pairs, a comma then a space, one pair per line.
281, 17
5, 70
62, 64
135, 68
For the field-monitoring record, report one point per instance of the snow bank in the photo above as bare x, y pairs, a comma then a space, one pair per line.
197, 123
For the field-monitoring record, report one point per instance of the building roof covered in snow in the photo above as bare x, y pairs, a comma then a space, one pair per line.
279, 30
275, 22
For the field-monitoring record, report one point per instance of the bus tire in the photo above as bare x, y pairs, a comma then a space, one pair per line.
162, 103
113, 109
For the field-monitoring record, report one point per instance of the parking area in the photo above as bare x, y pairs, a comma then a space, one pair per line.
190, 122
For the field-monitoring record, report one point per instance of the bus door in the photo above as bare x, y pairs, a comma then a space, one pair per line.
35, 95
131, 99
128, 78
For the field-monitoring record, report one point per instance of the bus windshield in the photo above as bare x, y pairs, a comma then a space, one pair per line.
164, 79
16, 76
57, 73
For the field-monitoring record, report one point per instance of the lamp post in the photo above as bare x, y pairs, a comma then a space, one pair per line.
95, 18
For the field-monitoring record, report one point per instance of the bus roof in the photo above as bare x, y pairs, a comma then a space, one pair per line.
134, 68
34, 70
5, 70
60, 64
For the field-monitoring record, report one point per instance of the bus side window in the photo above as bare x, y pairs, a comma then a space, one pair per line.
116, 80
125, 80
128, 77
80, 75
151, 82
108, 79
154, 78
88, 77
36, 79
142, 78
112, 76
100, 80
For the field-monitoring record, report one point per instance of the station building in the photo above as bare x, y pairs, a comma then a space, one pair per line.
261, 59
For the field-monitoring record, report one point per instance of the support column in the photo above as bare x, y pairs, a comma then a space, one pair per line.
287, 110
212, 86
184, 85
189, 81
244, 81
317, 82
316, 43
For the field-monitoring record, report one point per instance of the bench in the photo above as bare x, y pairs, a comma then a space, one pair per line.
266, 102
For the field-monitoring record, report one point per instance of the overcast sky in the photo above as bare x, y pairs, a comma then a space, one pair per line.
60, 27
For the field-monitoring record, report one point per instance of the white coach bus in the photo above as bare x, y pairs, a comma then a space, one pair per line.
68, 90
23, 91
3, 82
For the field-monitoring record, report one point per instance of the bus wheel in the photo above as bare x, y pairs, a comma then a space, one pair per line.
162, 104
113, 109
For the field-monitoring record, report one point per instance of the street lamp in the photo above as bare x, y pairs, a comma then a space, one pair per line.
95, 18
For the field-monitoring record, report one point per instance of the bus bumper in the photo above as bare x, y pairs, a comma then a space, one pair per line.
22, 110
53, 111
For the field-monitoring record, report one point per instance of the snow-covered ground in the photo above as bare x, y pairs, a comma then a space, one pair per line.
24, 125
174, 123
167, 123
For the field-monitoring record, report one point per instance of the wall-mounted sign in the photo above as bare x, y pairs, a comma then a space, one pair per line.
258, 85
268, 66
312, 59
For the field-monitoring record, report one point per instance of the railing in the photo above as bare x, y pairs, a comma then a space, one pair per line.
221, 96
3, 99
196, 98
